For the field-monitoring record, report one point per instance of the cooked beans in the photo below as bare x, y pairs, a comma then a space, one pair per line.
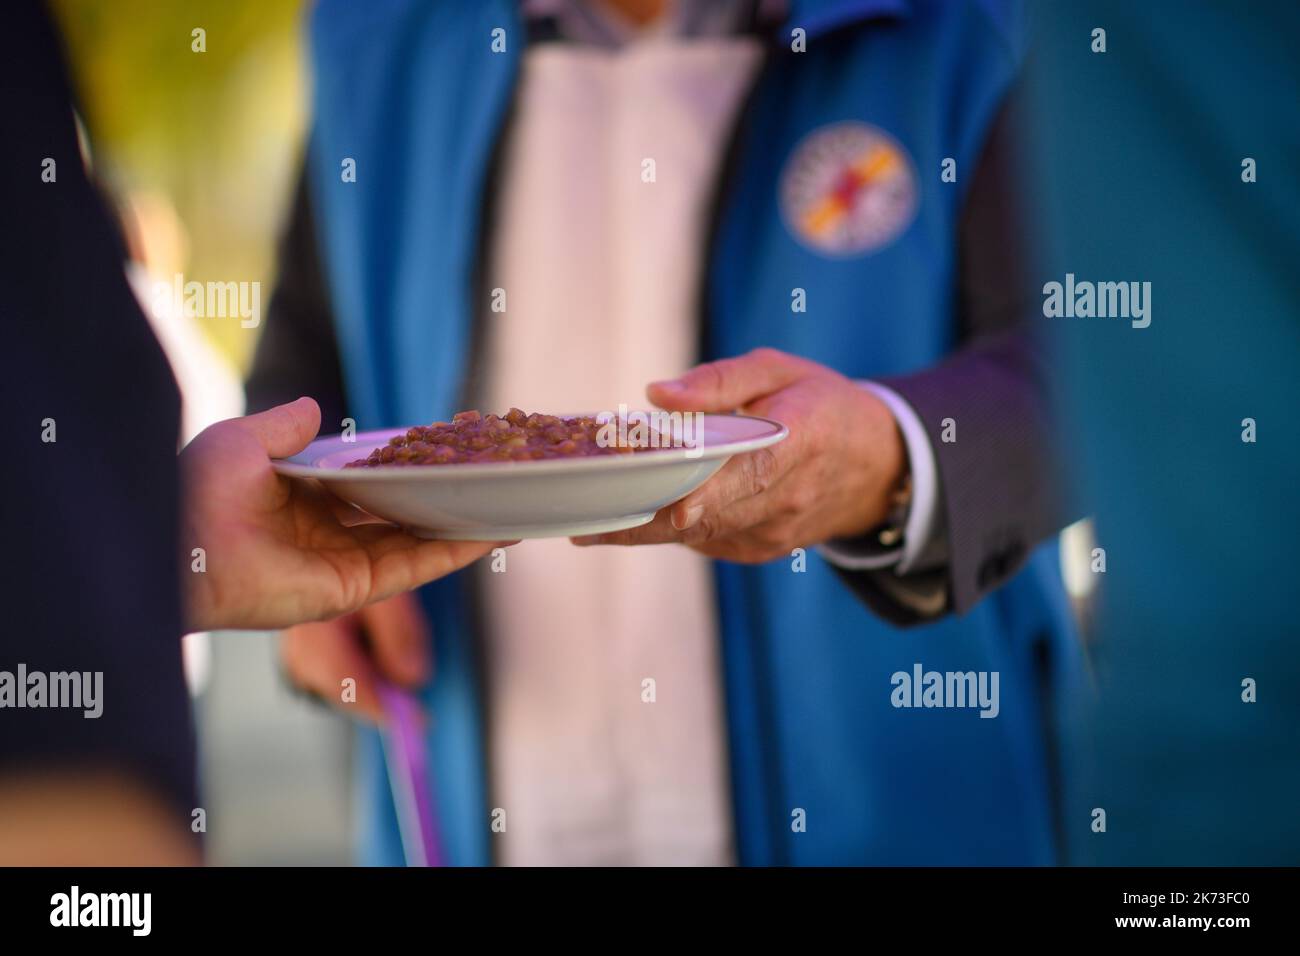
514, 436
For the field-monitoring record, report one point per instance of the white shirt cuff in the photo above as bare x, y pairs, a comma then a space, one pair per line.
924, 544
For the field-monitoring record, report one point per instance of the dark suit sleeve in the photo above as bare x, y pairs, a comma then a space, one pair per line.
298, 353
90, 482
999, 479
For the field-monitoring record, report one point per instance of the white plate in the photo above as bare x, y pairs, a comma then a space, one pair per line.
501, 501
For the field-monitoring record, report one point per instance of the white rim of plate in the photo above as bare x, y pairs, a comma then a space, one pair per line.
296, 467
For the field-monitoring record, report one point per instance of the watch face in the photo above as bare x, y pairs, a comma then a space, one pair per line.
848, 190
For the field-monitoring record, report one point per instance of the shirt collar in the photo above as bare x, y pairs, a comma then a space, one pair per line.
814, 16
587, 21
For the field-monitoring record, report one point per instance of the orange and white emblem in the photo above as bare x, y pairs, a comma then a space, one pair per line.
848, 189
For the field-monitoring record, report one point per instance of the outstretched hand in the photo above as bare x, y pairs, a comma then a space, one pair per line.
833, 477
280, 551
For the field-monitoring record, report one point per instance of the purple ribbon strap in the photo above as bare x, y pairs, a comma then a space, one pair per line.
408, 776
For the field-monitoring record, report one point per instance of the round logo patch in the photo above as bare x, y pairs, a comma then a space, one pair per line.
848, 189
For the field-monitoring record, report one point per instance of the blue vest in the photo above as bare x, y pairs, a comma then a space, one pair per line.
824, 769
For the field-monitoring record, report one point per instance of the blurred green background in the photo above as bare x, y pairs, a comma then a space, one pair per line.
199, 149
